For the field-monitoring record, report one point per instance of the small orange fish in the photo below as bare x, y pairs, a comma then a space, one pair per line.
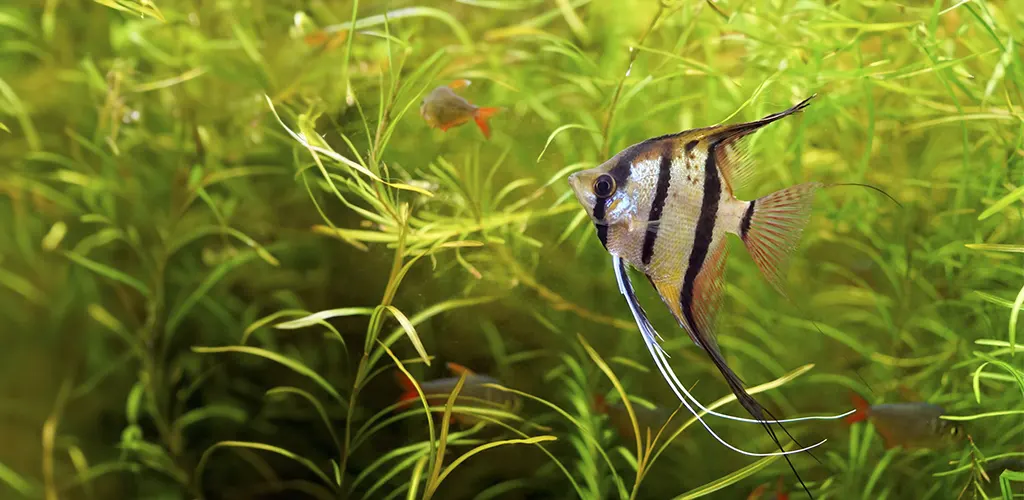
473, 393
442, 108
910, 425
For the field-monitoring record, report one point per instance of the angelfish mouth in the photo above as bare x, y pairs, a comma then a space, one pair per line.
574, 183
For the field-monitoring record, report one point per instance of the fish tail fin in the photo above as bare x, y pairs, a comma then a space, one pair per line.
862, 407
758, 492
780, 491
408, 389
772, 225
481, 116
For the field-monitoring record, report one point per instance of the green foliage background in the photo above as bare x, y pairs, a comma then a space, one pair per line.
185, 182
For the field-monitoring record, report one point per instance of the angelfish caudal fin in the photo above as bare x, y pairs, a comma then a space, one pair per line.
772, 225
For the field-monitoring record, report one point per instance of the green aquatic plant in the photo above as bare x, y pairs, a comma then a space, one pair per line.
227, 228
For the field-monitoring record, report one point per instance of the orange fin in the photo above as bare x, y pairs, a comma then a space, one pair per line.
772, 225
863, 409
780, 492
315, 38
758, 492
333, 43
481, 115
408, 389
322, 37
459, 84
458, 369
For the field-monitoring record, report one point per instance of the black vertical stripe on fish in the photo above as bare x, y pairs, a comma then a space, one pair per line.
620, 173
747, 216
690, 145
658, 204
701, 243
600, 207
602, 234
703, 233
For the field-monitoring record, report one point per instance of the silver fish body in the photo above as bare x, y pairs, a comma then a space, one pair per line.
665, 206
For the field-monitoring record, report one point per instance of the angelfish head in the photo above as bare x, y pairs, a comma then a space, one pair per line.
603, 193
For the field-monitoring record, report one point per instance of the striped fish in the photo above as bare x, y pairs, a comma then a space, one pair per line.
665, 206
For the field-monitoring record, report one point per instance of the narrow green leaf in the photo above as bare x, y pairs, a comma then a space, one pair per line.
317, 317
637, 437
982, 415
559, 130
996, 247
1002, 203
484, 447
457, 28
277, 358
410, 331
207, 412
1006, 478
417, 476
16, 482
108, 272
22, 287
729, 479
316, 405
260, 323
134, 402
977, 382
178, 314
999, 301
1014, 313
201, 466
433, 478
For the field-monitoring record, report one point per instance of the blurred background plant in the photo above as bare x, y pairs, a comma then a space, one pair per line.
227, 231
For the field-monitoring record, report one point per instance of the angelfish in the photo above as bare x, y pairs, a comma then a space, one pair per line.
665, 206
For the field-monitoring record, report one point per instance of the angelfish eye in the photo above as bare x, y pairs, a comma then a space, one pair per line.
604, 186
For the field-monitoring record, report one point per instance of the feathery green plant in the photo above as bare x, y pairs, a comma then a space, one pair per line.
227, 229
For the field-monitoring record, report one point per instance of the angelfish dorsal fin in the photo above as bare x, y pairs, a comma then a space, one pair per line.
732, 158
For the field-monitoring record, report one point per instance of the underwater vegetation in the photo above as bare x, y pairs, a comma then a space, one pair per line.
250, 250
